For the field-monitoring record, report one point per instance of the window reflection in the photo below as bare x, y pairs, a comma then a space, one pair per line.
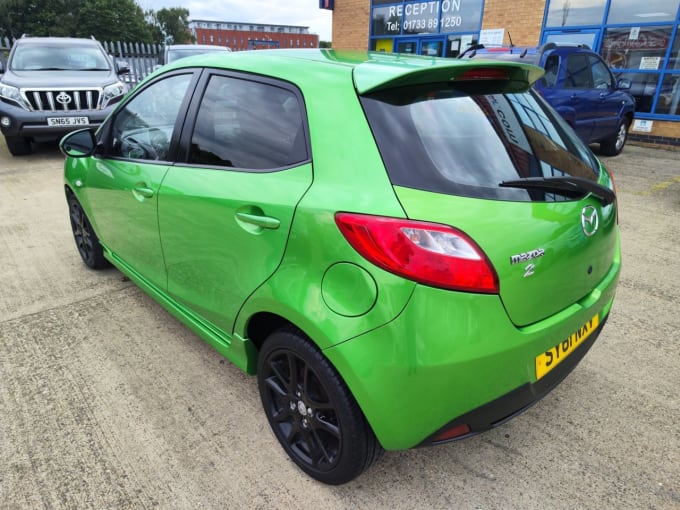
575, 12
635, 47
643, 88
631, 11
669, 96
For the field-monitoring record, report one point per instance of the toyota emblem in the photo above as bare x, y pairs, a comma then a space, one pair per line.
63, 98
589, 220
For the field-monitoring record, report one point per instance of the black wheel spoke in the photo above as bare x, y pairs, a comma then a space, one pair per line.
322, 454
324, 424
274, 383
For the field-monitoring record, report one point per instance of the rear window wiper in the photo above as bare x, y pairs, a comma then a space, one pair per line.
571, 185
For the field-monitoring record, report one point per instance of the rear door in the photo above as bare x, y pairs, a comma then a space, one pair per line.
226, 211
582, 98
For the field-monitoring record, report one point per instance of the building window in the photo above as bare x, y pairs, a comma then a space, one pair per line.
640, 41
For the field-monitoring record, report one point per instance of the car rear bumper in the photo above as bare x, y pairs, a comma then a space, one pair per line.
513, 403
453, 359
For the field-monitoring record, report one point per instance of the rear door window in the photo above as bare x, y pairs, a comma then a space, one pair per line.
440, 139
248, 125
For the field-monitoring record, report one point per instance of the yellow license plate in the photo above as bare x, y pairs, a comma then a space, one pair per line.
549, 359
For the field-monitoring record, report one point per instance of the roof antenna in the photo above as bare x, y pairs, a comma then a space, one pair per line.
510, 38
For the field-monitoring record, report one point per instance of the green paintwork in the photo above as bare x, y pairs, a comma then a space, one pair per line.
503, 229
221, 249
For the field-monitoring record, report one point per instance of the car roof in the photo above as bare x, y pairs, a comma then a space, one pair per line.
51, 40
371, 71
196, 47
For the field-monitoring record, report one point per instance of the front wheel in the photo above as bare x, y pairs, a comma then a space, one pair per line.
311, 411
87, 242
614, 145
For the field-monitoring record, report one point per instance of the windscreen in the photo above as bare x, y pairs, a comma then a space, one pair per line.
441, 139
32, 57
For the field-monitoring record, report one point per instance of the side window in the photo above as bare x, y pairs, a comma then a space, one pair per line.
602, 78
143, 128
552, 66
578, 72
249, 125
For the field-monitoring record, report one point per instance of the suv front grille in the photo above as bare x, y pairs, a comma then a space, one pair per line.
63, 100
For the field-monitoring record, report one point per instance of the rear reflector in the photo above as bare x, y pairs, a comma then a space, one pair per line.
457, 431
429, 253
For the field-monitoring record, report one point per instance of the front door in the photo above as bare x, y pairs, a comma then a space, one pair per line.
125, 183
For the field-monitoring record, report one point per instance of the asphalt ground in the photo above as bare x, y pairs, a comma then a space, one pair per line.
106, 401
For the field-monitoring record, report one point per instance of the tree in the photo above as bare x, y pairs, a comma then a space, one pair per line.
174, 24
112, 20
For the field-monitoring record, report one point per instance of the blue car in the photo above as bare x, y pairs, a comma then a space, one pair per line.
581, 87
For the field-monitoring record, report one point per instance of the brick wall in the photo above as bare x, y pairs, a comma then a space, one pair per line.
351, 19
522, 20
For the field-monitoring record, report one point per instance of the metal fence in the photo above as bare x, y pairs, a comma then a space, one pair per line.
140, 57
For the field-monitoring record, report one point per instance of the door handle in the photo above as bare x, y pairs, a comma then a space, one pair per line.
143, 191
260, 221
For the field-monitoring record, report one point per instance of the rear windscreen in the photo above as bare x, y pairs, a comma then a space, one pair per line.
443, 140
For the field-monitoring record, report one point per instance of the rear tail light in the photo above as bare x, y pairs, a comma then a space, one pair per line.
484, 74
428, 253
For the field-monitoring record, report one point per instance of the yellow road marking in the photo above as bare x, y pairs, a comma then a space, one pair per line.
661, 186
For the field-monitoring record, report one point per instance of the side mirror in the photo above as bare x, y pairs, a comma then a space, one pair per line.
623, 84
122, 67
78, 144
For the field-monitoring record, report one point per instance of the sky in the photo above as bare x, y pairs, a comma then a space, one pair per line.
304, 13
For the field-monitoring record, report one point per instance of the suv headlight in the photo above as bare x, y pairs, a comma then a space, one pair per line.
116, 90
12, 94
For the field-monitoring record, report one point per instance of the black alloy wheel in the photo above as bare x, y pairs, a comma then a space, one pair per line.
86, 240
311, 410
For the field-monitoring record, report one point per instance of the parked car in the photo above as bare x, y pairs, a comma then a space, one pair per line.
174, 52
405, 250
581, 87
53, 85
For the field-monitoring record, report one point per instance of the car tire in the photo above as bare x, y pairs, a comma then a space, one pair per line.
18, 145
614, 145
312, 412
87, 242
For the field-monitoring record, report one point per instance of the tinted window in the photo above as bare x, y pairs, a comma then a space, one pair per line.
249, 125
579, 75
552, 67
443, 140
602, 78
144, 127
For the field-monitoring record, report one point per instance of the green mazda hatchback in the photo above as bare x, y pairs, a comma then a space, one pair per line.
405, 250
